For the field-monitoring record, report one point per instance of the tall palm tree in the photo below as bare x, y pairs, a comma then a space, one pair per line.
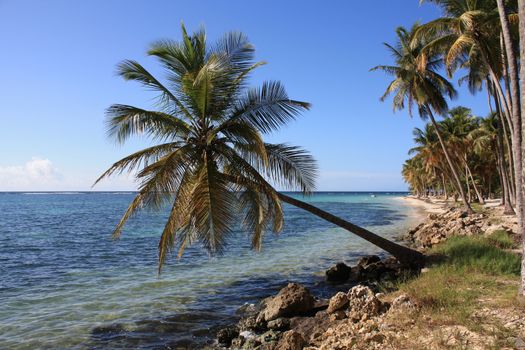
211, 163
521, 223
416, 82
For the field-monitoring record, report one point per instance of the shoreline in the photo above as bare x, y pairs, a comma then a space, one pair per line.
373, 315
427, 206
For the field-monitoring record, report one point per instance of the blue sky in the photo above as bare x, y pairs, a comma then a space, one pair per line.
58, 76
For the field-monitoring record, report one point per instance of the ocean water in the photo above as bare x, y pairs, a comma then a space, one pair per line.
65, 284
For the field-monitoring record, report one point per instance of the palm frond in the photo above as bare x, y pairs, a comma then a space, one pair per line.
268, 108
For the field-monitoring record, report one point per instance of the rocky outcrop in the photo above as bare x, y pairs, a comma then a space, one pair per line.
227, 334
337, 302
369, 269
280, 323
292, 300
453, 222
338, 273
291, 340
362, 304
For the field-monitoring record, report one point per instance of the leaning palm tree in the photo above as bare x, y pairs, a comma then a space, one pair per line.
210, 163
416, 82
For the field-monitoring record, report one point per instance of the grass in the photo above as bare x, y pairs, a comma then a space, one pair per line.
502, 239
470, 272
479, 254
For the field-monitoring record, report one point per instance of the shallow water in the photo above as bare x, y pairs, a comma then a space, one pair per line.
64, 284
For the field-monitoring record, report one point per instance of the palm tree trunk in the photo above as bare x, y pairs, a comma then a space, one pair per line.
516, 112
478, 194
469, 196
444, 186
404, 254
508, 144
504, 179
521, 11
512, 64
450, 164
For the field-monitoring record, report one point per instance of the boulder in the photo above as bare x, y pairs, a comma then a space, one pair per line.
374, 270
367, 260
338, 273
227, 334
311, 328
291, 340
292, 300
337, 302
363, 304
280, 323
403, 301
249, 323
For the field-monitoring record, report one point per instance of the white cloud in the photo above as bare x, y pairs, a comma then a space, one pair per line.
40, 174
33, 175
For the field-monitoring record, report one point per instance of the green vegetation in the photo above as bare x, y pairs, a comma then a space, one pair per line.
478, 255
462, 155
466, 269
501, 239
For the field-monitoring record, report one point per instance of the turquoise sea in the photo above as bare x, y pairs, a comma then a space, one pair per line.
64, 284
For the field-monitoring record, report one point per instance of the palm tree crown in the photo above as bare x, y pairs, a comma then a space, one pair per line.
210, 162
416, 81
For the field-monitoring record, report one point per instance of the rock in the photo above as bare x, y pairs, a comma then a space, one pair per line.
247, 335
292, 300
337, 315
363, 303
249, 341
337, 302
251, 344
462, 214
280, 323
403, 301
377, 338
519, 343
321, 304
270, 336
291, 340
247, 309
237, 343
373, 271
367, 260
311, 328
249, 323
227, 334
338, 273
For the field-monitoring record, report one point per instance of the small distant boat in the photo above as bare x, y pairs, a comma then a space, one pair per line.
372, 195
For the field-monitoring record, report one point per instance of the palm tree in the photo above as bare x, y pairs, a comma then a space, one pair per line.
458, 124
415, 175
521, 223
430, 154
486, 143
417, 83
210, 163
